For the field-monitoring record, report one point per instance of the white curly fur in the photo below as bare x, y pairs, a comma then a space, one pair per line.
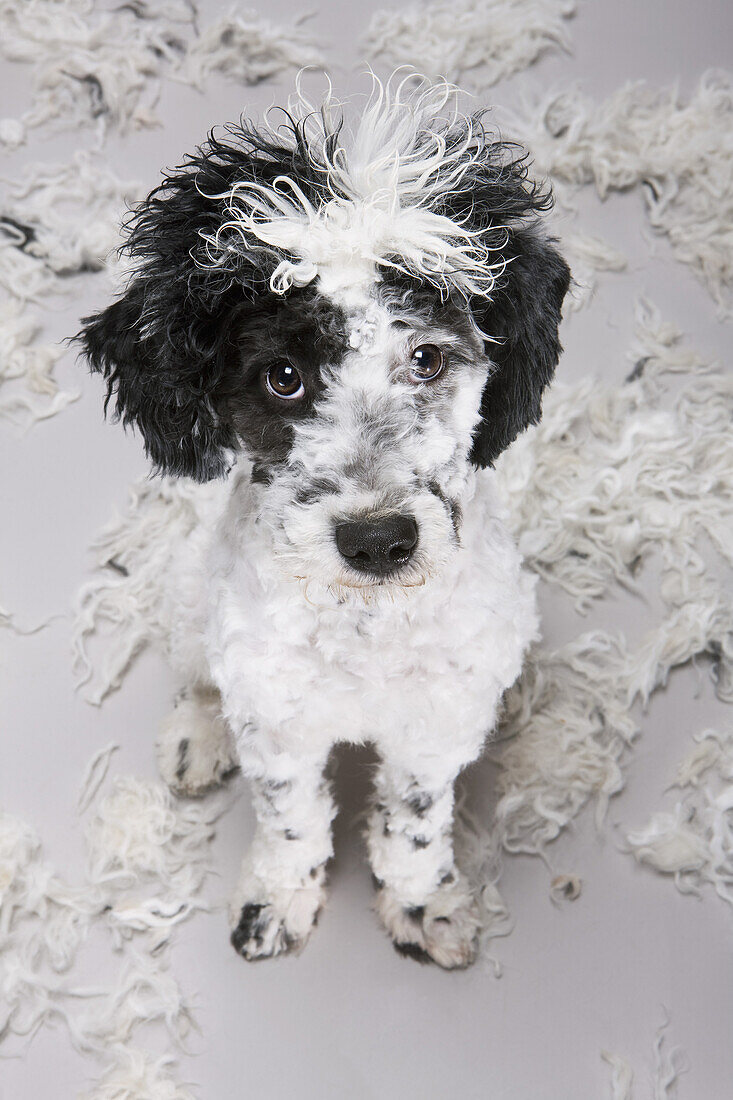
406, 149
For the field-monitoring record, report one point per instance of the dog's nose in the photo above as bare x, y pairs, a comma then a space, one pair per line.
379, 546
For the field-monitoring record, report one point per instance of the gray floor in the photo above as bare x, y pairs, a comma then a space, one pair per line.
349, 1017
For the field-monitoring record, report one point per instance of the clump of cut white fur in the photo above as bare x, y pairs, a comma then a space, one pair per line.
135, 1074
42, 924
244, 47
612, 476
29, 390
91, 65
101, 67
693, 842
678, 152
622, 1075
408, 146
132, 556
73, 211
445, 39
154, 851
58, 221
667, 1068
148, 856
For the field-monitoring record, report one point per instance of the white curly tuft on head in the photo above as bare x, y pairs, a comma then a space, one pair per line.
383, 184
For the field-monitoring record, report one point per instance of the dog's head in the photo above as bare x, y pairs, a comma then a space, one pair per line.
366, 318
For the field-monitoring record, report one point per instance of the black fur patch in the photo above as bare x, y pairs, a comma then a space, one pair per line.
251, 926
309, 332
420, 842
314, 489
451, 506
182, 766
415, 912
412, 951
121, 569
524, 316
20, 234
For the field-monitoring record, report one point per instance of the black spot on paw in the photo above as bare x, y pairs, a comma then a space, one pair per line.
182, 765
412, 951
377, 883
290, 834
420, 842
251, 926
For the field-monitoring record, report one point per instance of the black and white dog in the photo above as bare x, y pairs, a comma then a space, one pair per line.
352, 326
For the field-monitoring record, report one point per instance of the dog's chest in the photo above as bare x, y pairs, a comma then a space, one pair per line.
344, 672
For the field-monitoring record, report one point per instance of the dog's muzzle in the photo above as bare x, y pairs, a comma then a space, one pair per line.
379, 547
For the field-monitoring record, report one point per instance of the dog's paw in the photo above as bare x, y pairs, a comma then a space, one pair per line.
444, 929
194, 748
276, 922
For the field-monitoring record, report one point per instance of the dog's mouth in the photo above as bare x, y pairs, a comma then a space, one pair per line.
345, 589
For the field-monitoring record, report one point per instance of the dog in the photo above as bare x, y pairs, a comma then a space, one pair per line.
346, 328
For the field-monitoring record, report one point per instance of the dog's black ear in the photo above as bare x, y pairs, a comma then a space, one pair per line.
523, 317
163, 346
164, 379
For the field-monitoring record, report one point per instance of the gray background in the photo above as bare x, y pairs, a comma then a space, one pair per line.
349, 1017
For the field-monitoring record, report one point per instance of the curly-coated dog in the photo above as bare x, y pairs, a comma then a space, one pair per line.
346, 326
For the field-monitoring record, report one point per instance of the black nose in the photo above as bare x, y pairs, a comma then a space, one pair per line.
378, 546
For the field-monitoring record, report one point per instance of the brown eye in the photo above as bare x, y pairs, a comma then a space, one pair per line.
426, 363
282, 380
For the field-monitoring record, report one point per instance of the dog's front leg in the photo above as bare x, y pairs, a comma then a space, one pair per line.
422, 899
282, 883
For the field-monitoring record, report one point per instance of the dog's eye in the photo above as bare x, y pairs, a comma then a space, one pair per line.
282, 380
426, 363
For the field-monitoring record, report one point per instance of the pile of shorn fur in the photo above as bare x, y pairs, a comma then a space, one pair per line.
148, 858
678, 152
